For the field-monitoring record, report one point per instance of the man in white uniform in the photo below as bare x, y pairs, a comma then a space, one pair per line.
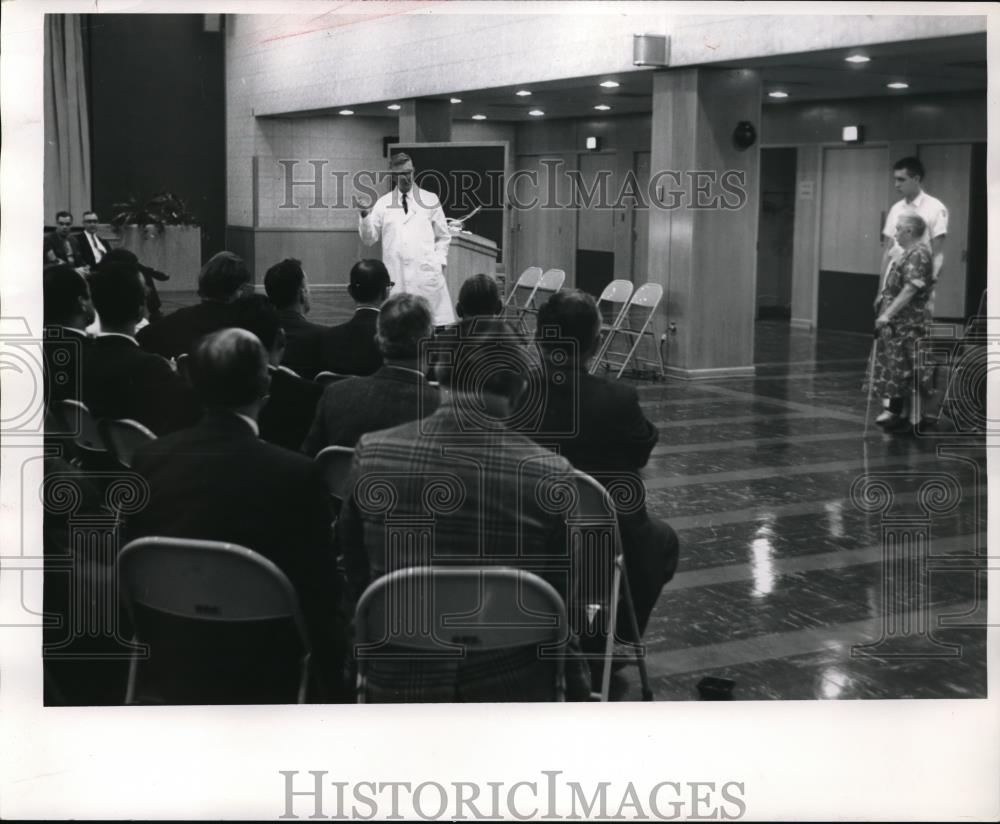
415, 237
907, 176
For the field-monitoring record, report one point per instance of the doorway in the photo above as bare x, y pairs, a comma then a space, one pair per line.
775, 233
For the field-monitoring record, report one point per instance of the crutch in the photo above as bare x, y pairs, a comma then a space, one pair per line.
868, 384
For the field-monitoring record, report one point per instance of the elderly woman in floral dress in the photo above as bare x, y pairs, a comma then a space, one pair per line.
902, 320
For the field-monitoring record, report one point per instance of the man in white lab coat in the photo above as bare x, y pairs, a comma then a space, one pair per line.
415, 237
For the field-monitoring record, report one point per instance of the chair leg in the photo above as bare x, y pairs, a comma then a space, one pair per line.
609, 644
640, 661
631, 352
130, 686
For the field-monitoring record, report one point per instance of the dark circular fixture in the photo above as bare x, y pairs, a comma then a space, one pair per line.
744, 135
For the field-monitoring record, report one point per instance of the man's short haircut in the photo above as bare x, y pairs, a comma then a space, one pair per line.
119, 292
916, 223
229, 369
399, 159
369, 279
62, 288
484, 356
64, 213
257, 314
222, 276
405, 320
911, 165
283, 282
569, 317
479, 296
89, 212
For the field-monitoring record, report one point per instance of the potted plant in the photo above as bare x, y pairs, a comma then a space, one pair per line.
163, 234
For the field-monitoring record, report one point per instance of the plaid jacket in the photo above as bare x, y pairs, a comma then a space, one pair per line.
456, 489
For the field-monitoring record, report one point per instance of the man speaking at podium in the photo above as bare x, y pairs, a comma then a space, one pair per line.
415, 237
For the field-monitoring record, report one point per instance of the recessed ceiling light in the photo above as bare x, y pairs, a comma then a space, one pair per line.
346, 111
777, 94
858, 58
536, 113
899, 85
603, 108
479, 117
456, 100
395, 107
523, 93
610, 84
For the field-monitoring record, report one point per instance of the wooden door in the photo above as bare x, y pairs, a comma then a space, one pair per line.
640, 224
543, 220
596, 190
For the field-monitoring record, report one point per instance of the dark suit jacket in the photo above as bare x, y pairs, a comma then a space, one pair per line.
120, 380
62, 349
178, 332
289, 410
350, 348
218, 481
86, 253
352, 407
53, 243
302, 348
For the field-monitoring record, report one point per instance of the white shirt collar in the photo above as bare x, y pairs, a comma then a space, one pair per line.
403, 368
250, 422
118, 335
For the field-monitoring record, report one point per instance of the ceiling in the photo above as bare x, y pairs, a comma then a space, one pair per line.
946, 65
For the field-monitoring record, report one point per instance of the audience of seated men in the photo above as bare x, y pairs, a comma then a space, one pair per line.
149, 276
350, 348
61, 246
398, 392
221, 280
287, 288
119, 379
68, 311
291, 403
493, 513
598, 425
219, 481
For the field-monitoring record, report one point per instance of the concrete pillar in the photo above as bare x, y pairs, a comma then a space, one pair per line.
703, 227
425, 121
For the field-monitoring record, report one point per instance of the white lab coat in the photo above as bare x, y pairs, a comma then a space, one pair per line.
414, 246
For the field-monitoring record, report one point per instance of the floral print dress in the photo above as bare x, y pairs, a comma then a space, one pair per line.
892, 376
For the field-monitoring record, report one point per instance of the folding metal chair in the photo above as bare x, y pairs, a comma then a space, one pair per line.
335, 464
521, 293
549, 283
602, 585
611, 304
123, 436
220, 622
434, 614
635, 324
73, 420
325, 377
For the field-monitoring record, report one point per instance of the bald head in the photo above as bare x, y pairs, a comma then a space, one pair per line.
229, 370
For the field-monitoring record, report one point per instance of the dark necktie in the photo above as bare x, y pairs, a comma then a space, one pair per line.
405, 208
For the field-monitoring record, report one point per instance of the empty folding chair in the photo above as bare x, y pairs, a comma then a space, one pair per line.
325, 377
72, 419
601, 586
634, 326
335, 464
221, 624
521, 292
549, 283
611, 304
123, 436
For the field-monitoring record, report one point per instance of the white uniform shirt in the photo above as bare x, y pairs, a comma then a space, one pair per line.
414, 246
931, 209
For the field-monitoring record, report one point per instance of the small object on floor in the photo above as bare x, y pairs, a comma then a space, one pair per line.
715, 689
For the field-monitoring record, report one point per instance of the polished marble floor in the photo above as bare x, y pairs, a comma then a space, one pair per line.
789, 585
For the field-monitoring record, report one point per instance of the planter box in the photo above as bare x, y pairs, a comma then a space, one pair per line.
176, 251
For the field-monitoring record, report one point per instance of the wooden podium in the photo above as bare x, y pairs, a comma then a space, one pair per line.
468, 255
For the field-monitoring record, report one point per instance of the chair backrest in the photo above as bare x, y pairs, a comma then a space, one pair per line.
617, 292
457, 609
525, 287
595, 544
73, 418
325, 377
648, 295
123, 436
552, 281
183, 362
641, 306
335, 464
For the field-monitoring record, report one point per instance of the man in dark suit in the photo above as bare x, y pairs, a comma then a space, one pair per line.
68, 311
287, 287
92, 248
598, 425
120, 380
61, 246
395, 394
219, 481
485, 494
221, 280
350, 348
291, 405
